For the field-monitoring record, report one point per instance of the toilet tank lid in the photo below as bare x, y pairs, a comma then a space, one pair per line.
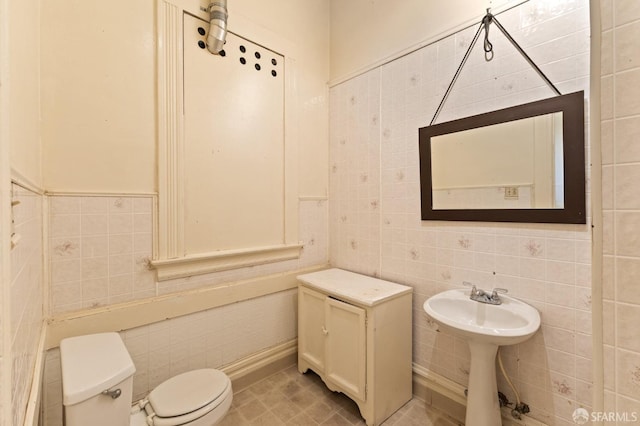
91, 364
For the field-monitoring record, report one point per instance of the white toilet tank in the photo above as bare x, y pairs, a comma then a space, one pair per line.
97, 380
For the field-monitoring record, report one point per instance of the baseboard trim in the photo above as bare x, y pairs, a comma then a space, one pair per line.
448, 396
247, 371
425, 380
32, 415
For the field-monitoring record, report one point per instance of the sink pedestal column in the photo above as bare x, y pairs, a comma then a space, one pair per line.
483, 408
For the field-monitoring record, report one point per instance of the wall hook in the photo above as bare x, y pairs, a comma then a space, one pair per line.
485, 23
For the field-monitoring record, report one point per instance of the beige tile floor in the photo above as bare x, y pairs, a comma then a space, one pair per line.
291, 398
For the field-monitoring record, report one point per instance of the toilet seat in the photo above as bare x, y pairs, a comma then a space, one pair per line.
187, 397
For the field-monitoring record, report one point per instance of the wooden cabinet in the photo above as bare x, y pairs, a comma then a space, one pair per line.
354, 331
340, 353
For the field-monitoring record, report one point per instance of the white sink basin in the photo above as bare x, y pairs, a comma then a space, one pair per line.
484, 327
507, 324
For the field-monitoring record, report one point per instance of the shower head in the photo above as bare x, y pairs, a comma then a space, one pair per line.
217, 26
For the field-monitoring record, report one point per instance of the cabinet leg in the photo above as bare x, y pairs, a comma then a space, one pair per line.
303, 367
366, 412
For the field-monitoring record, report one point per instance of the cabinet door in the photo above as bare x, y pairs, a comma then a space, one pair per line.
311, 327
346, 347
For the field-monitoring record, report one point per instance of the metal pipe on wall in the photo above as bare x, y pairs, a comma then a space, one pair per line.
217, 26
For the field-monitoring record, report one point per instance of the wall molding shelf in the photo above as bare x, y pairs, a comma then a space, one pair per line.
19, 179
186, 266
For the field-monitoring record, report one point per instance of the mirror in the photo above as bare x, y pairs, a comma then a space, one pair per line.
520, 164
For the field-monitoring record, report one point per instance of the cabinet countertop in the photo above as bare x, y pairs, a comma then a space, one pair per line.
352, 287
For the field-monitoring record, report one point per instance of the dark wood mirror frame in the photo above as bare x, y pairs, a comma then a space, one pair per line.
574, 211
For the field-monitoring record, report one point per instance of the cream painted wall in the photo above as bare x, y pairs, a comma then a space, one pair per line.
99, 89
306, 25
98, 96
220, 216
365, 32
24, 93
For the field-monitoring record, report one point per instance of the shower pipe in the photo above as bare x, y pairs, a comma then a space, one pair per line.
218, 16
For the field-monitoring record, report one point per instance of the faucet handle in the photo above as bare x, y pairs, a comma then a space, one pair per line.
495, 291
473, 287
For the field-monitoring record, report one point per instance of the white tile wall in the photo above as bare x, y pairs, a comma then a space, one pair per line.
210, 339
314, 232
620, 77
25, 304
100, 249
375, 225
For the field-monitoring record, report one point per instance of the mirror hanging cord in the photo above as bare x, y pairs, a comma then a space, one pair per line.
487, 20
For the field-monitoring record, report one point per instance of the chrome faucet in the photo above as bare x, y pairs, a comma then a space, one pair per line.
482, 296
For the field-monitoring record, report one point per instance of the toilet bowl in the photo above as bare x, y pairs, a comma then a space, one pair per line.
97, 384
194, 398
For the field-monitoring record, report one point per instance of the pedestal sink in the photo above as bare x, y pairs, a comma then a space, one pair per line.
484, 327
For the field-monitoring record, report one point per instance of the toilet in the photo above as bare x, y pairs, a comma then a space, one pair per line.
97, 387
